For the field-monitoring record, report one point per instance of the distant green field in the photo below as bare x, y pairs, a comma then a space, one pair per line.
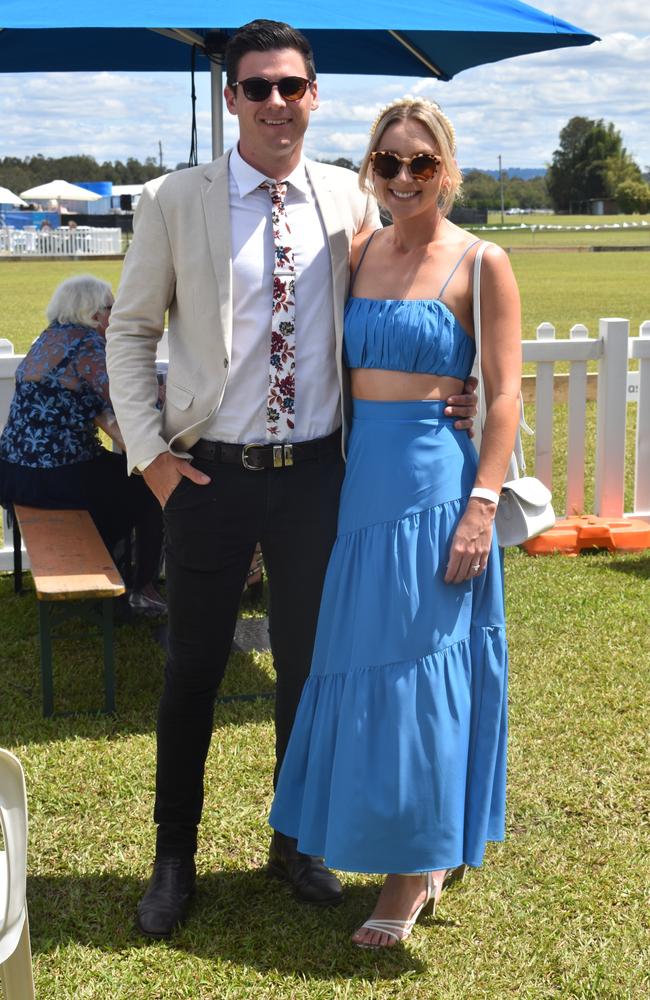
523, 231
568, 288
559, 288
521, 238
26, 287
549, 219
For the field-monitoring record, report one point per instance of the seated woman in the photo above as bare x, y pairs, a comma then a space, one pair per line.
50, 452
396, 762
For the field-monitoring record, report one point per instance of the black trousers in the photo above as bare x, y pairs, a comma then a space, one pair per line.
210, 534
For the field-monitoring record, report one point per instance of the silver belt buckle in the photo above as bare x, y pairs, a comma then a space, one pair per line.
244, 458
288, 454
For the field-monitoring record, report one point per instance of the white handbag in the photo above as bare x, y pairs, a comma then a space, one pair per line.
524, 509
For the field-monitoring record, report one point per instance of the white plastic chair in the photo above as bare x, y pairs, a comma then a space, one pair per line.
15, 952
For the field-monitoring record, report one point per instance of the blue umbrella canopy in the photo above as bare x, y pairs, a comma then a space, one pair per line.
415, 38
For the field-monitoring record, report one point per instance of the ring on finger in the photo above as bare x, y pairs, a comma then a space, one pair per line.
476, 567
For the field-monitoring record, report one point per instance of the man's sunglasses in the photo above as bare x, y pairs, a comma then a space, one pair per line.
258, 88
422, 166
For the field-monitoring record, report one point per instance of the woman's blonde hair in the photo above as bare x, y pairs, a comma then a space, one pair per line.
442, 132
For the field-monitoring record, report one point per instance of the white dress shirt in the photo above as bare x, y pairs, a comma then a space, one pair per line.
242, 414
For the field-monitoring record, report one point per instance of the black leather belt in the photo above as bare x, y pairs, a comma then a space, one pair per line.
256, 457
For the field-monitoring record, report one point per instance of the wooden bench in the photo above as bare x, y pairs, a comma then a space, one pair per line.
70, 563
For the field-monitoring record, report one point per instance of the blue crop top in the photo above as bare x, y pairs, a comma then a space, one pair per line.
408, 335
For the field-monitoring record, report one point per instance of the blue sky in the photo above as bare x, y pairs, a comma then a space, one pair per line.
514, 108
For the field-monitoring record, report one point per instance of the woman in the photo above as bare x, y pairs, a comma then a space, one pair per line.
396, 763
50, 452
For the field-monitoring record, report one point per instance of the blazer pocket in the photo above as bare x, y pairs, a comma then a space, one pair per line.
178, 397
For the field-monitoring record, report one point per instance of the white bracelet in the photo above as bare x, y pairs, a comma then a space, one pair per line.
484, 494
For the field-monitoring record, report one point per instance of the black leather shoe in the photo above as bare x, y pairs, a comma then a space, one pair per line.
312, 882
165, 904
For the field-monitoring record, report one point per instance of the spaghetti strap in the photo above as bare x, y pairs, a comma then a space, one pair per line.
363, 254
454, 268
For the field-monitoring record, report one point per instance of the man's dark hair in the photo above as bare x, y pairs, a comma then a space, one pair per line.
263, 36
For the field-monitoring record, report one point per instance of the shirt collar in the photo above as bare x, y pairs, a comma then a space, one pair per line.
248, 179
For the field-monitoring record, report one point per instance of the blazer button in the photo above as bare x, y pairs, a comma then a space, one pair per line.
225, 362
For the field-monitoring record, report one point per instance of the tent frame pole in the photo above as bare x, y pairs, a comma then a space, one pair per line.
216, 92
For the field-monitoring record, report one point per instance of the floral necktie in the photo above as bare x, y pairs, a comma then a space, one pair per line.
280, 410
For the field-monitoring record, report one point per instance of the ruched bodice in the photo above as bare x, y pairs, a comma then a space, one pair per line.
407, 335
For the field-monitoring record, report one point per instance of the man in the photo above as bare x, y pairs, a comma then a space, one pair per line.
248, 446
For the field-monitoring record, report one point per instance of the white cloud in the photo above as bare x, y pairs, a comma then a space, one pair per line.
335, 144
601, 18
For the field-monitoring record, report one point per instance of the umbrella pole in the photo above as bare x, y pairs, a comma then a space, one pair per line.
216, 89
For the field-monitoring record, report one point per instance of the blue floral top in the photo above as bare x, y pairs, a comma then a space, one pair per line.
61, 385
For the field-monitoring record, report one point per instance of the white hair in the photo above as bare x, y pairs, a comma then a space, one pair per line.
78, 299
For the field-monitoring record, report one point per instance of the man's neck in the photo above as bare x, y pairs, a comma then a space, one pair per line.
276, 168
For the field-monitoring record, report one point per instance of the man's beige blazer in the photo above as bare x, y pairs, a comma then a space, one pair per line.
180, 260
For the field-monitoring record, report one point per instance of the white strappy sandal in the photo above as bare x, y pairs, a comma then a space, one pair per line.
400, 930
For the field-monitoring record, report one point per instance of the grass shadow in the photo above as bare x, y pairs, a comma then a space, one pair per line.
634, 565
78, 678
243, 917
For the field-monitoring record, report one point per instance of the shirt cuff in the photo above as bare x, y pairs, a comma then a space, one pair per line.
141, 466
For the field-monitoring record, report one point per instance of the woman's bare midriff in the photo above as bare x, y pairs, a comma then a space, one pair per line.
374, 383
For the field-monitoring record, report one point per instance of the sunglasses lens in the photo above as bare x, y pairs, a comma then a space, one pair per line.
256, 88
292, 88
424, 167
386, 165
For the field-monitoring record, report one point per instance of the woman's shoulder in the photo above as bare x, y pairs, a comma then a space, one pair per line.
360, 244
495, 261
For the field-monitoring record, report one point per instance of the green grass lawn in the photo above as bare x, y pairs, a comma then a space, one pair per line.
526, 239
27, 287
557, 911
599, 234
564, 289
522, 231
557, 288
551, 219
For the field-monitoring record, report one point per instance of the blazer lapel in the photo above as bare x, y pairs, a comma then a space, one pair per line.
216, 209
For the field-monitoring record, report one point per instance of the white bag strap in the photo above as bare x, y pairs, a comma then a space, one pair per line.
477, 371
517, 462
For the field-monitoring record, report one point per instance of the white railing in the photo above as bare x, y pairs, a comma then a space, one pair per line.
611, 350
64, 242
537, 227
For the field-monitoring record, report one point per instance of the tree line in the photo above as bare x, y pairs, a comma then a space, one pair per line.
20, 175
481, 190
590, 163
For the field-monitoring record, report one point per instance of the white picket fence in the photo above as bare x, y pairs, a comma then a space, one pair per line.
611, 350
63, 242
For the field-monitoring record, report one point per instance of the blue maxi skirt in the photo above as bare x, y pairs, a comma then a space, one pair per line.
397, 757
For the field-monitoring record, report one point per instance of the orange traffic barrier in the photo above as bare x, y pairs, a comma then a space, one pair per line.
570, 535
